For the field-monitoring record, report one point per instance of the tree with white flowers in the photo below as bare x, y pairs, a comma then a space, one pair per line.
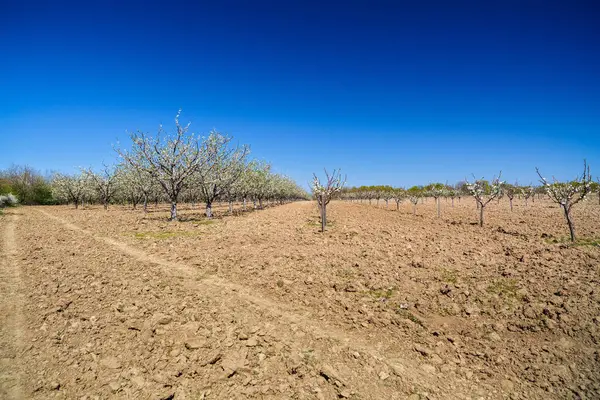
324, 192
70, 188
259, 180
567, 194
170, 159
484, 192
105, 183
225, 165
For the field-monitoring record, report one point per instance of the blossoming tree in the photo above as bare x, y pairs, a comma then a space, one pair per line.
567, 194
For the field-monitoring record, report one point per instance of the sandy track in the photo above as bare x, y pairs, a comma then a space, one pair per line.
11, 313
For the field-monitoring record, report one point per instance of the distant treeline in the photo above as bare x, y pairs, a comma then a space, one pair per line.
29, 185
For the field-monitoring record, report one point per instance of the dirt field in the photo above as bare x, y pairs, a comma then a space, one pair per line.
385, 305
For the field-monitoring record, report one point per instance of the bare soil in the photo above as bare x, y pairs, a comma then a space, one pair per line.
384, 305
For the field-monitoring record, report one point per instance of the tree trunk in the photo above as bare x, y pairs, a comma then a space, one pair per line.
76, 204
437, 200
414, 208
105, 205
244, 204
510, 200
569, 222
230, 207
209, 209
397, 205
453, 202
480, 214
260, 204
173, 210
323, 214
145, 203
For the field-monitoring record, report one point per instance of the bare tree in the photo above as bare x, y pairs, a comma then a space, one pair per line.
484, 192
436, 190
567, 194
511, 191
169, 159
527, 192
324, 193
414, 194
451, 193
399, 194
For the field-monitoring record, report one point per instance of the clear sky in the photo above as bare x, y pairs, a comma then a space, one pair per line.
393, 92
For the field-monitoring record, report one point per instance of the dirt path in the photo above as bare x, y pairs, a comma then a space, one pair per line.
11, 313
368, 366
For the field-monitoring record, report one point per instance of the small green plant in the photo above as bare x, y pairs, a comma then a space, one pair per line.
165, 235
382, 294
504, 287
449, 276
594, 242
588, 242
404, 313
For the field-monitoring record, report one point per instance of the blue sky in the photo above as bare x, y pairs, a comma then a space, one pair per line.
392, 92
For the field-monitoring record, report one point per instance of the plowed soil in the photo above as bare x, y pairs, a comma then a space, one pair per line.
383, 305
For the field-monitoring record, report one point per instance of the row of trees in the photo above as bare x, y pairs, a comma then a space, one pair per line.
123, 184
179, 167
436, 191
566, 194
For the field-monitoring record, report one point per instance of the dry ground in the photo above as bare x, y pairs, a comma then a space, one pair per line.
384, 305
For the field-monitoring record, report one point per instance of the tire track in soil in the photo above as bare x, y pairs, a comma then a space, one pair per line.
409, 371
11, 315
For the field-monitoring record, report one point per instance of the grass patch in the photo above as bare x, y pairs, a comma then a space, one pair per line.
449, 276
504, 287
587, 242
404, 313
381, 294
205, 222
165, 235
317, 223
594, 242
